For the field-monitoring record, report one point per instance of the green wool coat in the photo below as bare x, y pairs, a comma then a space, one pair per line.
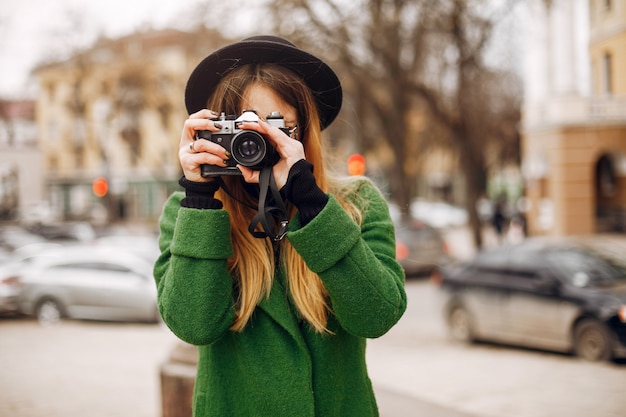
277, 366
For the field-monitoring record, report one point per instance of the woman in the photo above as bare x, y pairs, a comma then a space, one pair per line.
281, 324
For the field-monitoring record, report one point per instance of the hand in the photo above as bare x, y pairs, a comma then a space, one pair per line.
193, 153
290, 151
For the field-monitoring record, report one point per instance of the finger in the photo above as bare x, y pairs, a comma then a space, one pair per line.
191, 128
258, 126
275, 136
249, 175
204, 114
203, 152
191, 164
203, 145
193, 125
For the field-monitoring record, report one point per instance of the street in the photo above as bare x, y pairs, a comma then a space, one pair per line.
112, 370
416, 359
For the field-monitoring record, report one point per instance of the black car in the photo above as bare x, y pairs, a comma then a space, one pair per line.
564, 295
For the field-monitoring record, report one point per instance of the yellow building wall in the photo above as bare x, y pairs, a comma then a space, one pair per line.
88, 104
569, 184
608, 35
564, 196
616, 47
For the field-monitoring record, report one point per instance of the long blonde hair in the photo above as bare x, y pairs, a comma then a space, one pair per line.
254, 262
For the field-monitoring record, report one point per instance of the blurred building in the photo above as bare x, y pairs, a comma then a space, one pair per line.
21, 175
109, 121
574, 117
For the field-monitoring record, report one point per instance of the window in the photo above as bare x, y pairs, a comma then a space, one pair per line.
94, 266
585, 269
607, 72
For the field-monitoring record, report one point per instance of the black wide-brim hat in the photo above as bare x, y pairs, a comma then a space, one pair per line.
320, 78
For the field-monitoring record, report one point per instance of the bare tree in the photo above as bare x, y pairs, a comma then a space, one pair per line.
6, 123
376, 47
403, 59
482, 106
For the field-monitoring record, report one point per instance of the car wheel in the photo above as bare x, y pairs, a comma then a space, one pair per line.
592, 341
460, 325
49, 312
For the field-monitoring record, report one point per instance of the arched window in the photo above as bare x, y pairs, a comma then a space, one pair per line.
605, 177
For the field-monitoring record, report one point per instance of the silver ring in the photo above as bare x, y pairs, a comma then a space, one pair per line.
191, 147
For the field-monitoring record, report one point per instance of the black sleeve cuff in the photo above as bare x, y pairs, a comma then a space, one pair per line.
302, 190
200, 195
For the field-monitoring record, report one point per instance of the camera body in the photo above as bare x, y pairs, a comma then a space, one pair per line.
246, 147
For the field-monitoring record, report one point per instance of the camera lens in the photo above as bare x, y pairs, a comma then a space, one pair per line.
248, 148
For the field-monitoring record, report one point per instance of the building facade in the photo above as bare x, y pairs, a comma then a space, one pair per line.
21, 175
574, 117
110, 117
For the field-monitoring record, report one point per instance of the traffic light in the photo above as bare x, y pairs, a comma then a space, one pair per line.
100, 187
356, 164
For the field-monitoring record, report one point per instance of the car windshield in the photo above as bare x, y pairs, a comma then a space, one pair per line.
590, 267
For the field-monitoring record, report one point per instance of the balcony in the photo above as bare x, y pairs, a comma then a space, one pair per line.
611, 108
574, 110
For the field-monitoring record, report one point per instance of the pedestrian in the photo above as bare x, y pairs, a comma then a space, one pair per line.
498, 220
280, 307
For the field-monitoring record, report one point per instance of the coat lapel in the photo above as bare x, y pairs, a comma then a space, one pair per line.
278, 307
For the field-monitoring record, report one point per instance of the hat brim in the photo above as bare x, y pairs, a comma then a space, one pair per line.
320, 78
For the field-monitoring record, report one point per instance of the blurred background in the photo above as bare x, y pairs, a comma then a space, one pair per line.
486, 106
486, 123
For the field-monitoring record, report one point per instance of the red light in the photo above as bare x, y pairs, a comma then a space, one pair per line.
11, 281
436, 277
622, 314
446, 248
356, 164
100, 187
402, 251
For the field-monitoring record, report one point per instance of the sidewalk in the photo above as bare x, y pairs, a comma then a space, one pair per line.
392, 404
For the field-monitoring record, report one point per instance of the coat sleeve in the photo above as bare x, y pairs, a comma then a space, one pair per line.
194, 286
357, 264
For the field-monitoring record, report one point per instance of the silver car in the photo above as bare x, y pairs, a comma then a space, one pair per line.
9, 293
10, 269
89, 282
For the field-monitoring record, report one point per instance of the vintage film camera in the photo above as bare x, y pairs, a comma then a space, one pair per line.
247, 147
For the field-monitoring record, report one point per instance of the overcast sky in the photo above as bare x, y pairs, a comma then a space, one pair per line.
32, 30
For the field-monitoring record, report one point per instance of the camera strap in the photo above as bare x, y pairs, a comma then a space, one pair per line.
273, 218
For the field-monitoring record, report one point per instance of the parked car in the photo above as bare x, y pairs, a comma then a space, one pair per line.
10, 269
564, 295
10, 289
13, 237
64, 232
419, 247
145, 246
89, 282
